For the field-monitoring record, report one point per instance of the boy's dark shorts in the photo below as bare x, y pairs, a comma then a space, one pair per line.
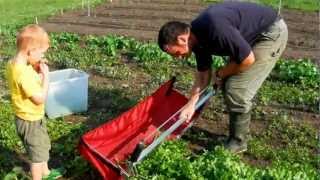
35, 138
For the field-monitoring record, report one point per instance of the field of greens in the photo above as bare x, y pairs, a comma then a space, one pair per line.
285, 129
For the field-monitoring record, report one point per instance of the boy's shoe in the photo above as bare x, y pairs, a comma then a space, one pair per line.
54, 174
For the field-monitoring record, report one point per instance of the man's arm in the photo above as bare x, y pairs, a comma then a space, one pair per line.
234, 68
202, 80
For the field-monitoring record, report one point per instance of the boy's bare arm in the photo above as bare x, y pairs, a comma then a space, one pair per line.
40, 98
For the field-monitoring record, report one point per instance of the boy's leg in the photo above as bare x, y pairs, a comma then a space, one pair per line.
46, 146
241, 88
36, 141
36, 171
45, 169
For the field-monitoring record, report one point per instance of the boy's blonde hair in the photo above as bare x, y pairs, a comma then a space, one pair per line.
32, 37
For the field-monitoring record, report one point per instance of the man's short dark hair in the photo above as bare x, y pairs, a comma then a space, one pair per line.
170, 31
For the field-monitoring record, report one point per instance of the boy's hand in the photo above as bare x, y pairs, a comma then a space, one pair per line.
36, 66
44, 69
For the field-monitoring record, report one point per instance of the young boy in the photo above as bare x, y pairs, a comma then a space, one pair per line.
28, 80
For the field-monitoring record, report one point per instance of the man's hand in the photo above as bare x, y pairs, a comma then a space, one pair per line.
187, 112
202, 79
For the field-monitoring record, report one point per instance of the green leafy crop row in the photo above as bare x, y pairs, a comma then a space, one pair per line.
176, 162
302, 72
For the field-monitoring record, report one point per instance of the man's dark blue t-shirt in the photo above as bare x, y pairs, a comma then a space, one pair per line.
229, 29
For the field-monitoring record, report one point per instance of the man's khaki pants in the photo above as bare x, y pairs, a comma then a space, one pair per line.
241, 88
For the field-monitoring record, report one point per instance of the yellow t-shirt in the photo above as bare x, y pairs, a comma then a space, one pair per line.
24, 82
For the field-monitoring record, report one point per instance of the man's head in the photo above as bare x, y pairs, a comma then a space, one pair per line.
33, 41
174, 39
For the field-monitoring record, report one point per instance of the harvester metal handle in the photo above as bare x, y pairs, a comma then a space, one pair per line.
204, 96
